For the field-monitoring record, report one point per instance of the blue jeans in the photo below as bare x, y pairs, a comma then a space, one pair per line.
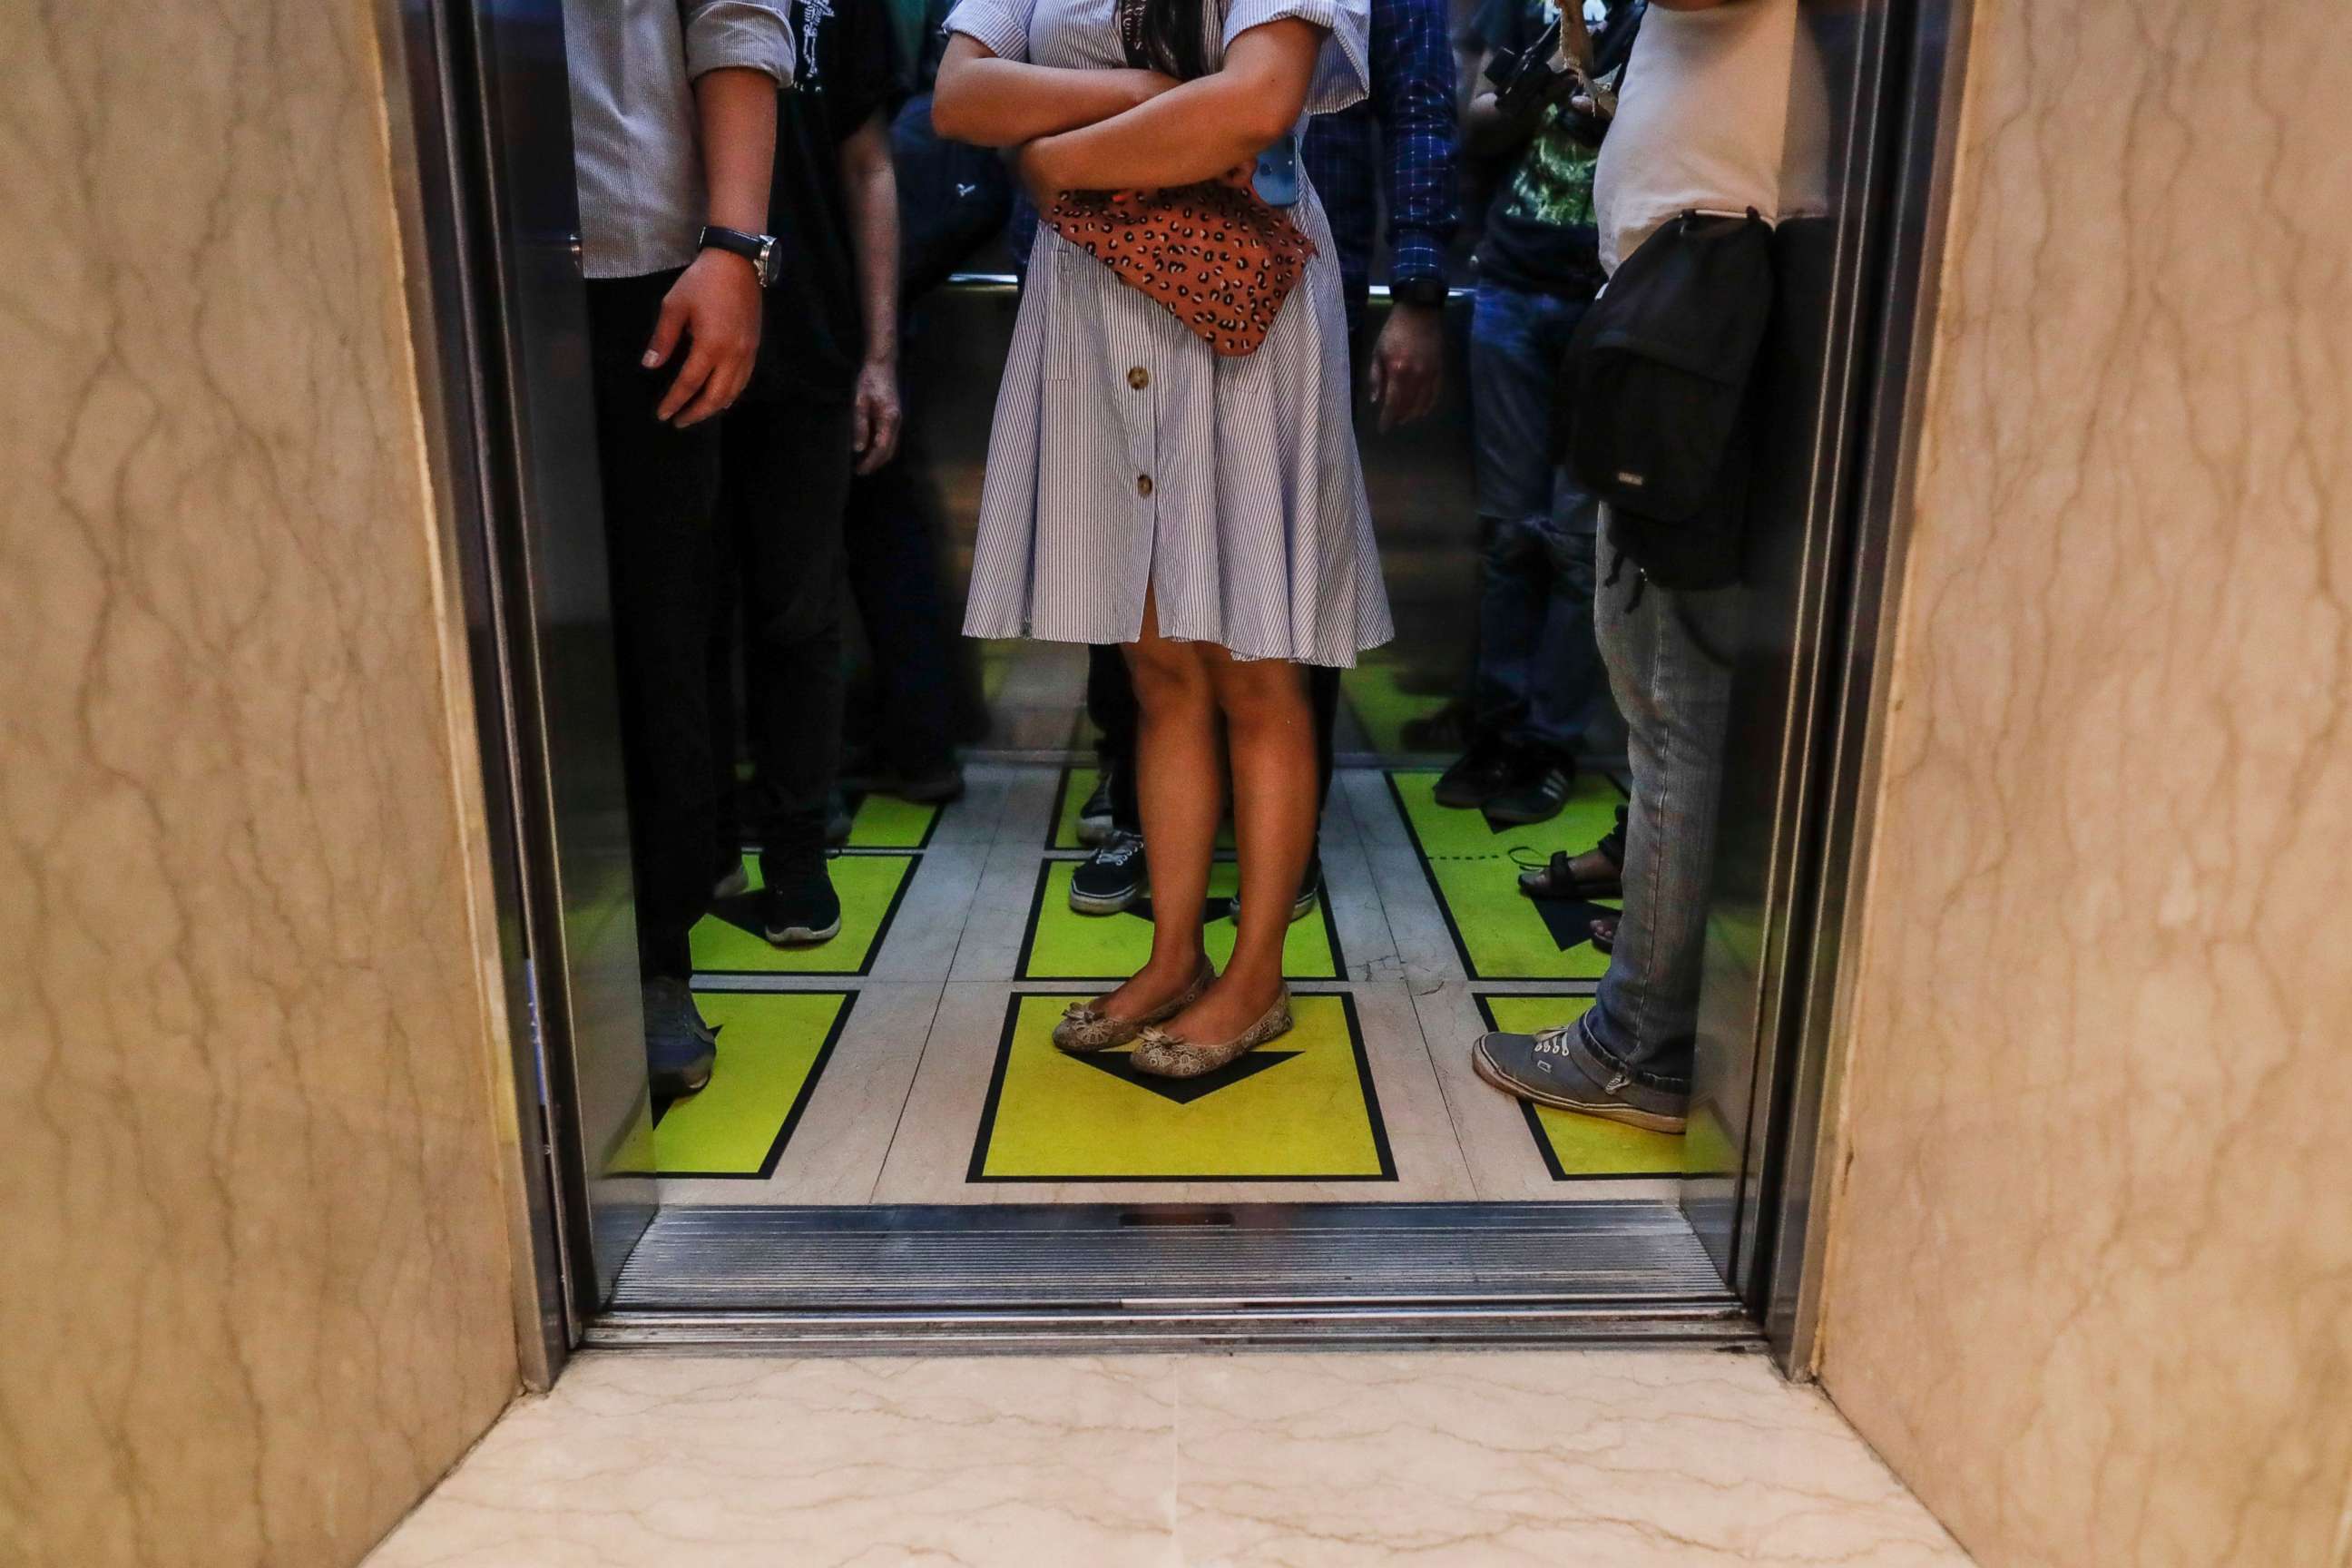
1539, 680
1670, 658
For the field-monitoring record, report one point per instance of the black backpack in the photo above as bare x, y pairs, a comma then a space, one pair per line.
1656, 388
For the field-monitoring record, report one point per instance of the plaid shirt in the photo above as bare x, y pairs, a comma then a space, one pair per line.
1412, 105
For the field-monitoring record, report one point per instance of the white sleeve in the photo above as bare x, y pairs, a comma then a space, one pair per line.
1343, 71
1002, 24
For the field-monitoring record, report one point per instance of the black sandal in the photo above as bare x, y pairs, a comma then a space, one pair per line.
1555, 879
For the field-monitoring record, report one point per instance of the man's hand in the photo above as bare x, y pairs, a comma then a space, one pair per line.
874, 421
1408, 362
716, 304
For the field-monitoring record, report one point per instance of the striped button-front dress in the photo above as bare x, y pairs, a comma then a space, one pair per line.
1126, 454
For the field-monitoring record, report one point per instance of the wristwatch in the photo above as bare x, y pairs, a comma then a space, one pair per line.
759, 249
1427, 289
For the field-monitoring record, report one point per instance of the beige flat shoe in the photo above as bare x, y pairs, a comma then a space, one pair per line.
1162, 1054
1085, 1027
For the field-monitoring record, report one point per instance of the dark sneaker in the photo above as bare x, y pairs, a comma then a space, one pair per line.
1095, 822
929, 786
732, 881
1474, 776
1309, 887
1535, 791
681, 1048
1556, 1069
1113, 877
800, 909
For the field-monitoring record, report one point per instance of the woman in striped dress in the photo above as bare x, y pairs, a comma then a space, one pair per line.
1206, 513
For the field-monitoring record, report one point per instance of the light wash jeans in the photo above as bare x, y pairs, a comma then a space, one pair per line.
1539, 680
1670, 658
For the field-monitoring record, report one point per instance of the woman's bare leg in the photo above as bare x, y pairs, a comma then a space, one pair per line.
1179, 780
1270, 735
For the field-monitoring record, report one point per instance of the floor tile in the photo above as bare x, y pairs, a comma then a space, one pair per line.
931, 1159
837, 1147
650, 1461
934, 915
1633, 1459
1506, 1158
1620, 1459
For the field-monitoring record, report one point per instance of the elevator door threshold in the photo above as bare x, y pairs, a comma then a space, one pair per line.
1102, 1277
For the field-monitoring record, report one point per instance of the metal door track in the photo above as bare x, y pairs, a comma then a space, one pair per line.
1102, 1277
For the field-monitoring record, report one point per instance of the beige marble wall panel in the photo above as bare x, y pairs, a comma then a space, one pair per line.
2090, 1281
254, 1289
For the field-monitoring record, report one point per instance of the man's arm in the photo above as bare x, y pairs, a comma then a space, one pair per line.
871, 189
739, 55
1413, 100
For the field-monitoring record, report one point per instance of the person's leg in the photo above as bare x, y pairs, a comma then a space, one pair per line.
1270, 739
891, 542
1569, 707
1671, 653
1628, 1058
788, 469
1510, 399
1112, 704
660, 487
1110, 819
1178, 762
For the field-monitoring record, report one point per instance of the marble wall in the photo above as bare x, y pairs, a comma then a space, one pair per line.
2090, 1275
255, 1291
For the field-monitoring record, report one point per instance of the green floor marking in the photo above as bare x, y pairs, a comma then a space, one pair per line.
885, 822
1300, 1108
1382, 704
1500, 933
1067, 945
728, 940
1581, 1147
771, 1047
1077, 785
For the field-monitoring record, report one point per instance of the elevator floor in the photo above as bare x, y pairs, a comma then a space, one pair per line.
908, 1061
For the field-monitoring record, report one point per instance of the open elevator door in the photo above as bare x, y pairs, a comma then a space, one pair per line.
502, 338
491, 97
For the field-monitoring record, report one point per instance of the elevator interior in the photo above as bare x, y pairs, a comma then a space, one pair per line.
889, 1154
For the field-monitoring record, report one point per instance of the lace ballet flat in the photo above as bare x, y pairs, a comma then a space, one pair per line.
1164, 1055
1085, 1027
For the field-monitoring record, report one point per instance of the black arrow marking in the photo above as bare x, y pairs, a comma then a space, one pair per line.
1185, 1090
1569, 921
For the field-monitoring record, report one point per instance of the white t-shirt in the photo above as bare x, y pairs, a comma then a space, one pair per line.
1702, 120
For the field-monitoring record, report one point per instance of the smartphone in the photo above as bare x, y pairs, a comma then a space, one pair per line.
1276, 179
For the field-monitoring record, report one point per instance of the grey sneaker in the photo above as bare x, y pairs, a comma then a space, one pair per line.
1550, 1069
681, 1048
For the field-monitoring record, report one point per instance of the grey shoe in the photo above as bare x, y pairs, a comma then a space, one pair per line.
1164, 1055
1085, 1027
1557, 1068
681, 1048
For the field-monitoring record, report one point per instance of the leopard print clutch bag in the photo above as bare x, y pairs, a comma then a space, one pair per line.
1220, 260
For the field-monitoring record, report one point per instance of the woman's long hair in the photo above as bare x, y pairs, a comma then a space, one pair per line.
1166, 36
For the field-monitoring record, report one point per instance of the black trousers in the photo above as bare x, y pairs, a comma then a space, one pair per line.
787, 466
1110, 703
897, 583
661, 543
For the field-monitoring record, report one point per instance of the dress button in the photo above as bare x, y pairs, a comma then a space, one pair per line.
1143, 484
1138, 378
